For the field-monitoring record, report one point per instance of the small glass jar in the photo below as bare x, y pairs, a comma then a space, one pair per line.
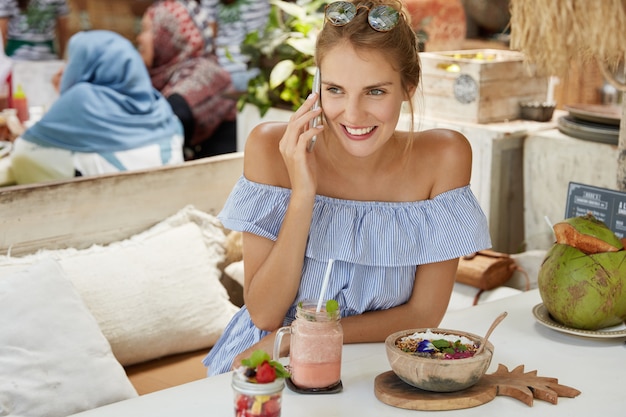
257, 400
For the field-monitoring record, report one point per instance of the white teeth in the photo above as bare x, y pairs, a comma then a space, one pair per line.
359, 132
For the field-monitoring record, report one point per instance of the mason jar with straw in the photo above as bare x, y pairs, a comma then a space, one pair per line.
316, 344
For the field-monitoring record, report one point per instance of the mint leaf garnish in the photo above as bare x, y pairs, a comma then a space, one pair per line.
281, 372
256, 359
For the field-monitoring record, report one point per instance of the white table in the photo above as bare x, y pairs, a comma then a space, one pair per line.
594, 366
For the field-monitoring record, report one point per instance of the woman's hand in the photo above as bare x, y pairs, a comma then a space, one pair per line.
56, 80
293, 147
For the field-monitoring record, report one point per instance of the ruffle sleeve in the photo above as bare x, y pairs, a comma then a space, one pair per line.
367, 232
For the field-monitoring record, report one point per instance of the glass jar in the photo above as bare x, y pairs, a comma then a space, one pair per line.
315, 347
257, 400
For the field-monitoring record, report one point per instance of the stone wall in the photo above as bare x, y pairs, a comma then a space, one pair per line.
551, 161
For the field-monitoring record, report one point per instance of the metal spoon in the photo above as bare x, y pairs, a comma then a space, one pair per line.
493, 326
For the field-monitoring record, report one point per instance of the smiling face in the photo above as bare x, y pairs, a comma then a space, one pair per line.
362, 98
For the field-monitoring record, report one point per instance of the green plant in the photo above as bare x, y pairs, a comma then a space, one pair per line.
284, 53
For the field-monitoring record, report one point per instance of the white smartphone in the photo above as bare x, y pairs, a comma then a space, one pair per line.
317, 88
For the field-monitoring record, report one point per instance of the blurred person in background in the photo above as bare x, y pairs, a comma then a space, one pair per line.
177, 46
108, 117
235, 20
34, 29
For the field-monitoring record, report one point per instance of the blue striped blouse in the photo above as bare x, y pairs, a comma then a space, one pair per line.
376, 247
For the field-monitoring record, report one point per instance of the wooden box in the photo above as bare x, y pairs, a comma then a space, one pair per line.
480, 85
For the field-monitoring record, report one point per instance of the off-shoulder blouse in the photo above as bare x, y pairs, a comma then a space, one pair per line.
376, 247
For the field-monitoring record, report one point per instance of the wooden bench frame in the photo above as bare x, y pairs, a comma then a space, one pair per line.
98, 210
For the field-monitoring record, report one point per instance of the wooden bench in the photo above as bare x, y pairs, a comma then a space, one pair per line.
81, 212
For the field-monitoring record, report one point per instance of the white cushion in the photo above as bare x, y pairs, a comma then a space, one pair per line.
54, 360
156, 293
235, 271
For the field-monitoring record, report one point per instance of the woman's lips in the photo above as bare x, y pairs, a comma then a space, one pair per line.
359, 133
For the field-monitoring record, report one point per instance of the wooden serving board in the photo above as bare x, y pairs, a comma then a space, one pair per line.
393, 391
516, 384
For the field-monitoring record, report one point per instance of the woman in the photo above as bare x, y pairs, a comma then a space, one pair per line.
34, 29
393, 209
176, 43
108, 117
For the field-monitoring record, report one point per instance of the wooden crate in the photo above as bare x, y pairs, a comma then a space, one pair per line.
480, 86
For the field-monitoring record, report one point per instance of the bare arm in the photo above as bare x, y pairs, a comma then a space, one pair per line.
425, 308
269, 265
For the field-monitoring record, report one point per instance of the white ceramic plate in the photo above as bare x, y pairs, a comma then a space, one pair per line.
541, 314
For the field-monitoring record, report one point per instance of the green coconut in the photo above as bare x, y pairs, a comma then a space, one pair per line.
584, 291
588, 234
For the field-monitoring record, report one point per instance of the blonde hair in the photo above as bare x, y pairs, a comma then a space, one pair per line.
399, 45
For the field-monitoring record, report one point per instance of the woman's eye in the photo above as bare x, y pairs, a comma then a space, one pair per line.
334, 90
376, 92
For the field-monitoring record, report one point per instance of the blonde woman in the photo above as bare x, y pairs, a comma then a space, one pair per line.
393, 209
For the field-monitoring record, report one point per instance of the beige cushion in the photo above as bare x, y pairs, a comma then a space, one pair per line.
235, 271
54, 360
156, 293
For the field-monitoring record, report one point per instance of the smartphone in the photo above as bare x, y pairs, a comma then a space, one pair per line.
317, 88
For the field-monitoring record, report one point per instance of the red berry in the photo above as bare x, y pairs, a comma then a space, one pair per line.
265, 373
272, 408
243, 402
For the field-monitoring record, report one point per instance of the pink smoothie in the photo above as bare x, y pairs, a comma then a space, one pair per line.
315, 375
315, 354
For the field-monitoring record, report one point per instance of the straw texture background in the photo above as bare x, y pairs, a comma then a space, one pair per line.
554, 33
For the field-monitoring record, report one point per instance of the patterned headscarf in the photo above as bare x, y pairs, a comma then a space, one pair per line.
184, 64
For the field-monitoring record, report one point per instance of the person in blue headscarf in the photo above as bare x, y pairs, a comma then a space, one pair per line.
108, 117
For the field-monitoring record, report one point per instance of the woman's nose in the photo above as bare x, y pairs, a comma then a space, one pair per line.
354, 110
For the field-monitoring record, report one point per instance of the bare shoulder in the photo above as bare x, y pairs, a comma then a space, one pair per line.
262, 159
448, 156
445, 140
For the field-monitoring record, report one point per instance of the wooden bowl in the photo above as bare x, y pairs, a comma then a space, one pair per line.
438, 375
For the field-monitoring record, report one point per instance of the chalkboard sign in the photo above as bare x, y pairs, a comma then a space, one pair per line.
606, 205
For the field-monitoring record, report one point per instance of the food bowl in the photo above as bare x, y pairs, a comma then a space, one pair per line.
437, 374
537, 111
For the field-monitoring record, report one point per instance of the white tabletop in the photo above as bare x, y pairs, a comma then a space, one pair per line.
596, 367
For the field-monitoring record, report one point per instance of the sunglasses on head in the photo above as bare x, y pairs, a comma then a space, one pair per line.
380, 18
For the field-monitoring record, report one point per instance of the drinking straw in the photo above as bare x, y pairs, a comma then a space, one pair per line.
324, 284
547, 219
